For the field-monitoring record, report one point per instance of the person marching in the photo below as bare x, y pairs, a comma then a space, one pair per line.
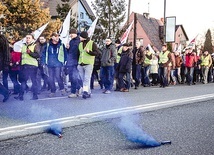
124, 68
164, 60
206, 62
87, 52
29, 67
72, 62
107, 65
54, 56
4, 63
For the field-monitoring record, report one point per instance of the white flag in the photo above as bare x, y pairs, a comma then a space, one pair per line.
64, 30
151, 49
179, 49
92, 28
126, 34
18, 45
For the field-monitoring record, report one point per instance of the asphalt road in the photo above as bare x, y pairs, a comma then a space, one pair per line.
188, 127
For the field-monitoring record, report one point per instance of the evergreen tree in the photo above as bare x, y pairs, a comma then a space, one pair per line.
22, 16
63, 10
111, 15
208, 42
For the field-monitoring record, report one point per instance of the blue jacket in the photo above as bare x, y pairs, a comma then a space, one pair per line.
73, 52
53, 51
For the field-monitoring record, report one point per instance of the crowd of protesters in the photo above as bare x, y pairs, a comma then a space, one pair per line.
116, 67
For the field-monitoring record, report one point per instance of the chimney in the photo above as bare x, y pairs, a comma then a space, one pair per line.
146, 15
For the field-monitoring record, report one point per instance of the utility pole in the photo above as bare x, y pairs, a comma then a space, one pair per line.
135, 30
164, 26
129, 6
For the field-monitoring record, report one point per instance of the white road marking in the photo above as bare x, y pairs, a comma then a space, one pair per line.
78, 119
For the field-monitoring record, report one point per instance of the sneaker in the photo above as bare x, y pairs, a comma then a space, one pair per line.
72, 95
51, 95
20, 97
85, 95
6, 97
35, 97
107, 92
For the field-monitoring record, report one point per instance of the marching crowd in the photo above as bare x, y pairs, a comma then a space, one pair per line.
116, 67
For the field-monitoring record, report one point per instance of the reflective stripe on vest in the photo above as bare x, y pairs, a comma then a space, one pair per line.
26, 58
119, 51
205, 60
148, 61
84, 56
163, 57
60, 52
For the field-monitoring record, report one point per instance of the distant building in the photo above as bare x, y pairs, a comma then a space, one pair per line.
81, 12
150, 31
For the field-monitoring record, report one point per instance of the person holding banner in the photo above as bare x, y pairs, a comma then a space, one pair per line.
72, 62
29, 66
87, 52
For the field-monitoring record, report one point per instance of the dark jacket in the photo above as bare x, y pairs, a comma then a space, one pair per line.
137, 56
40, 47
53, 51
125, 63
4, 53
108, 55
72, 52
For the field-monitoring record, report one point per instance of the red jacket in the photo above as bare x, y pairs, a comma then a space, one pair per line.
190, 60
15, 60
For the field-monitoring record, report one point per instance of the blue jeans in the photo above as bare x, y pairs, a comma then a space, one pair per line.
189, 74
107, 76
163, 76
55, 72
14, 78
136, 74
124, 83
5, 78
74, 78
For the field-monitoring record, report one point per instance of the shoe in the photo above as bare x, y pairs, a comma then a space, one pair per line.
107, 92
125, 90
35, 97
51, 95
63, 92
85, 95
21, 98
72, 95
6, 97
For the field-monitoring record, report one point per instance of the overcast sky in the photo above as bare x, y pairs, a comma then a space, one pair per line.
195, 16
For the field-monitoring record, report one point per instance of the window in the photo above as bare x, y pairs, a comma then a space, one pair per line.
81, 15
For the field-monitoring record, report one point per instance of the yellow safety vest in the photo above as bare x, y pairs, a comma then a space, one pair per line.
163, 57
148, 61
205, 60
119, 51
61, 54
84, 57
26, 58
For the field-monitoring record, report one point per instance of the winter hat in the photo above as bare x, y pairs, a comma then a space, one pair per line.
126, 44
73, 31
117, 41
84, 34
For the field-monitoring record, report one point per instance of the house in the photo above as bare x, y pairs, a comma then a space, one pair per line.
150, 31
81, 12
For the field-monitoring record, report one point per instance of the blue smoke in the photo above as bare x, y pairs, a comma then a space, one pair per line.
134, 133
